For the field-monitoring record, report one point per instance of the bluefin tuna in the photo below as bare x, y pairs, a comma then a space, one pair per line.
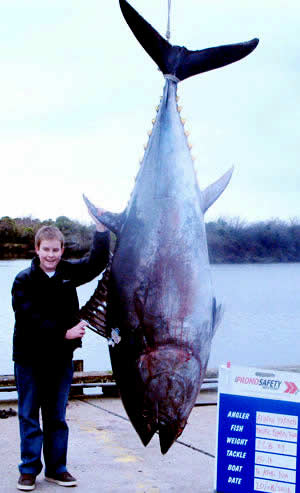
161, 310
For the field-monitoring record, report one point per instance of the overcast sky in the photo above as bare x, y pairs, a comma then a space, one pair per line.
78, 93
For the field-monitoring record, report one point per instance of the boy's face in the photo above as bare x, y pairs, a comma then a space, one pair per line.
49, 252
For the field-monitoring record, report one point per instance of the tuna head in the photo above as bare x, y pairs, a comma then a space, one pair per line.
171, 382
158, 388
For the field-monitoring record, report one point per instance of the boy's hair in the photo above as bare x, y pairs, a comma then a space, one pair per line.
48, 233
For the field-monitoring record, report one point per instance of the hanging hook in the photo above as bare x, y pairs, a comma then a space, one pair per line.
168, 33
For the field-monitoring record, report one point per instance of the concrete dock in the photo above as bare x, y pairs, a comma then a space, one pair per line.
107, 456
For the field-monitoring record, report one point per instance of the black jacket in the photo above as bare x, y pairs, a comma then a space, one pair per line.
46, 307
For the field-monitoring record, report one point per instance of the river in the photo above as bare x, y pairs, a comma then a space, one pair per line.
260, 327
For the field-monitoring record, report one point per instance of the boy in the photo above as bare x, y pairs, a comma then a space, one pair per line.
47, 330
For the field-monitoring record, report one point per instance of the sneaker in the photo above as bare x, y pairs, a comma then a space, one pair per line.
26, 482
63, 479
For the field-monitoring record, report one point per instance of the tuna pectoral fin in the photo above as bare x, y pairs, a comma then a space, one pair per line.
109, 219
217, 315
213, 191
177, 60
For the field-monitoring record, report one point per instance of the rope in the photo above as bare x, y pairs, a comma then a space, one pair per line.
172, 77
168, 33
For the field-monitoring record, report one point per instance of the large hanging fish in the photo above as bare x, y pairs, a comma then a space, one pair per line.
161, 312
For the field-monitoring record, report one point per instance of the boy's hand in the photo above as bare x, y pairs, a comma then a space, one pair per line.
77, 331
99, 226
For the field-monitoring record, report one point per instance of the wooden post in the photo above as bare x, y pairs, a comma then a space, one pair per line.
78, 366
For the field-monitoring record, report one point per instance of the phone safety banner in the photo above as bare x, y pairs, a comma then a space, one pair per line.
257, 431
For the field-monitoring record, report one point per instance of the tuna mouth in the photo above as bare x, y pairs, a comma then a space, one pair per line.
168, 433
167, 395
162, 411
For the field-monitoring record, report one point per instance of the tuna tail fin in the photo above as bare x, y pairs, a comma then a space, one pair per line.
213, 191
178, 60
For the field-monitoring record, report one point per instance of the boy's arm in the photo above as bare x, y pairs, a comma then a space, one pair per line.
84, 270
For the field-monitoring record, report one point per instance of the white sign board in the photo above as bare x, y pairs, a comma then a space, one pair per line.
257, 431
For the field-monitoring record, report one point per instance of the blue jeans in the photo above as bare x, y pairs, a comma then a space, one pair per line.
48, 391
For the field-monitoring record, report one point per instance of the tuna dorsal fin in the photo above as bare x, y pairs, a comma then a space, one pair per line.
112, 221
178, 60
213, 191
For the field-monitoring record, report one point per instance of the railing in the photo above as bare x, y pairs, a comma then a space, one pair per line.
90, 379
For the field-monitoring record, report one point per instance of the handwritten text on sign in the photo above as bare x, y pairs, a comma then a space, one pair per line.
276, 434
257, 445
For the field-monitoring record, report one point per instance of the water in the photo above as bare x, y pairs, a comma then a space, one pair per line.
261, 324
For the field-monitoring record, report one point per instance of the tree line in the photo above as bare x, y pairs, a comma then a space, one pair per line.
17, 236
236, 241
229, 240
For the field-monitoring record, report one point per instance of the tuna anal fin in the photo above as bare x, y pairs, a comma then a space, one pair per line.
213, 191
112, 221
